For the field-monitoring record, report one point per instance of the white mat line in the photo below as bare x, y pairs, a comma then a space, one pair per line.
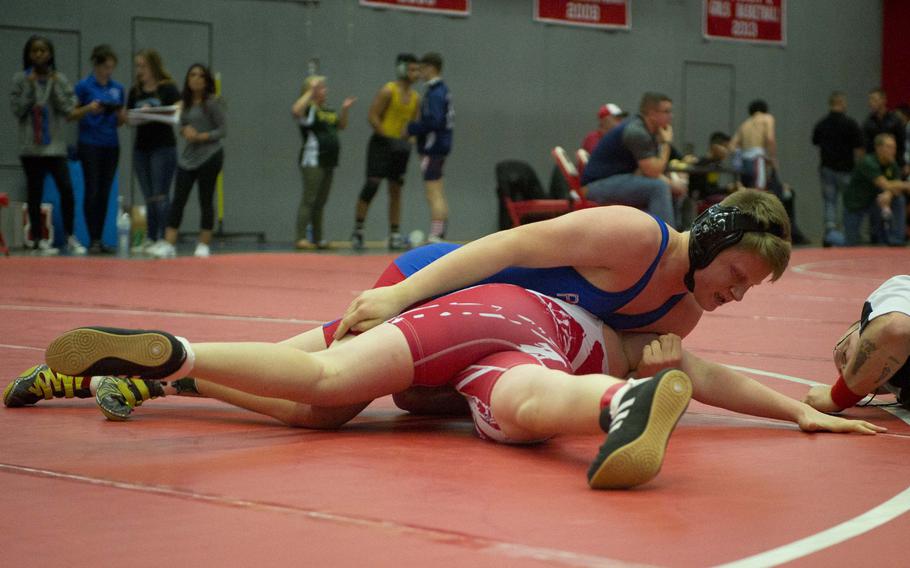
871, 519
808, 268
8, 346
135, 312
468, 541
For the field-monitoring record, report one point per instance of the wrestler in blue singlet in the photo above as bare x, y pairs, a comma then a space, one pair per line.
563, 282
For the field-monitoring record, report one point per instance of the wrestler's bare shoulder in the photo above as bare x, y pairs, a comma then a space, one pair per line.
633, 226
613, 238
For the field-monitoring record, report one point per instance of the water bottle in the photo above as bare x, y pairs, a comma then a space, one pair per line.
123, 232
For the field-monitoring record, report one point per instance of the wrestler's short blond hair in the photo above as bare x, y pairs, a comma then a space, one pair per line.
767, 209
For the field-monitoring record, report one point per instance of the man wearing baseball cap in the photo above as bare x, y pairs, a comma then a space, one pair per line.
608, 116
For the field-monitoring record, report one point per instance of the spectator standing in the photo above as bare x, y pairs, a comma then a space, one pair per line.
388, 152
881, 121
755, 142
434, 141
319, 125
99, 145
876, 191
839, 141
202, 125
627, 165
155, 147
42, 99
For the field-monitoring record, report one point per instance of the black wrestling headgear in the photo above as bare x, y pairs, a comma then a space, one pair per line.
402, 62
717, 228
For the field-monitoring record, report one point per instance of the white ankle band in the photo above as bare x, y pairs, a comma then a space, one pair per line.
187, 367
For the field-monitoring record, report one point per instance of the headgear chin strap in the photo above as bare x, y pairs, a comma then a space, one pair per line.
717, 228
402, 62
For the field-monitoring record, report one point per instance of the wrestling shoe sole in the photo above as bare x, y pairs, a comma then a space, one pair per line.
640, 460
109, 351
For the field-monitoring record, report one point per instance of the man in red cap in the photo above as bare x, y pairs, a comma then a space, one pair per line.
608, 116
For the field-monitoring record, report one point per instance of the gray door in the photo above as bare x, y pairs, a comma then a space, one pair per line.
707, 104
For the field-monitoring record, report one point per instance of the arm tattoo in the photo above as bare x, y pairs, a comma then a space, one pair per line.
865, 350
887, 372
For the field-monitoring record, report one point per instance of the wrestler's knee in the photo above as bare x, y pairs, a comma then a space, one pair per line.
369, 189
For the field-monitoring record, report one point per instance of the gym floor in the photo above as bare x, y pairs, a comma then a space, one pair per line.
194, 482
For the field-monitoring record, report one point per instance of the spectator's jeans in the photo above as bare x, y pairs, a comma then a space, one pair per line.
650, 194
155, 171
99, 165
853, 222
833, 185
316, 185
897, 235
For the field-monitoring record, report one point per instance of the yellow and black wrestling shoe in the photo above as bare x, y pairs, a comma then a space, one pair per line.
40, 383
118, 397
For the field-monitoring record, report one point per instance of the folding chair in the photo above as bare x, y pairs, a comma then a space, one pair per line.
581, 158
572, 177
522, 196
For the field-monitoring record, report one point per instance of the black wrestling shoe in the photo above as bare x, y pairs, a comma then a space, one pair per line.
95, 351
639, 428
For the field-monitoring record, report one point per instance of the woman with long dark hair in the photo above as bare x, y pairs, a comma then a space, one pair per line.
155, 148
202, 125
99, 146
42, 100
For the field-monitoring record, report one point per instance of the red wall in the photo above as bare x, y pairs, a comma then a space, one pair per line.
896, 51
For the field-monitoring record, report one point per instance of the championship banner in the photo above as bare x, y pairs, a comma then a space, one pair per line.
445, 7
760, 21
588, 13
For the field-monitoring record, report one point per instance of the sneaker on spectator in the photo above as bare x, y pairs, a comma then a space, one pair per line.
74, 246
143, 247
45, 248
202, 251
435, 239
163, 249
396, 241
357, 240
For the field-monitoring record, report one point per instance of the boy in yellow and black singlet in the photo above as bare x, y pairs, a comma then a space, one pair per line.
394, 106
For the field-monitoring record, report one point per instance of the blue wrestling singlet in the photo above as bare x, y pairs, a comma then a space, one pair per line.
563, 282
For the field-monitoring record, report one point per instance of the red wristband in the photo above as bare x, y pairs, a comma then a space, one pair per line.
842, 396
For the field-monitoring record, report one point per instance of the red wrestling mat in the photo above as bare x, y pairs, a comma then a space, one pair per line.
196, 482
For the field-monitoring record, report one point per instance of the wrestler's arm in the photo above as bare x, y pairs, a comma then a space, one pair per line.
718, 385
378, 107
605, 237
883, 348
